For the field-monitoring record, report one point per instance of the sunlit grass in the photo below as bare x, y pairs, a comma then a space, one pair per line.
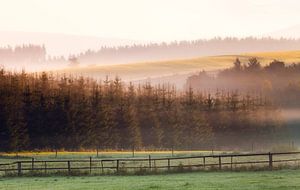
144, 70
9, 157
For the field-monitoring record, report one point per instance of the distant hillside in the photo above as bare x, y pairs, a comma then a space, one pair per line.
176, 71
185, 50
55, 49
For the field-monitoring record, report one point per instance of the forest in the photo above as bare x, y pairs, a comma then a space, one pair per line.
43, 111
278, 81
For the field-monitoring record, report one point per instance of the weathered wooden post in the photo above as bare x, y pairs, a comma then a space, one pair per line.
149, 161
102, 167
169, 165
32, 164
270, 160
69, 167
203, 162
133, 151
117, 165
19, 168
45, 166
90, 165
230, 162
220, 163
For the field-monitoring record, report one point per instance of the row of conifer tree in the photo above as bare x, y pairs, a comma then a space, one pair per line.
43, 111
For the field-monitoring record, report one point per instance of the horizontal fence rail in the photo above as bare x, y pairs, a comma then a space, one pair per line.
222, 161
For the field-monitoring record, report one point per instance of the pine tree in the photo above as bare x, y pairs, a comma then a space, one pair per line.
128, 124
110, 136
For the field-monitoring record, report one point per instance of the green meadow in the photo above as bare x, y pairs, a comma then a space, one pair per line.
263, 180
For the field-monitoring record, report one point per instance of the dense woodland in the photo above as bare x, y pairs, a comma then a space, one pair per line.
278, 81
43, 111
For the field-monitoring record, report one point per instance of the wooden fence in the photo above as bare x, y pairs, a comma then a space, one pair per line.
222, 161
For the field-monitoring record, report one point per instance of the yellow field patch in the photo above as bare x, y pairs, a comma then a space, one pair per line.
144, 70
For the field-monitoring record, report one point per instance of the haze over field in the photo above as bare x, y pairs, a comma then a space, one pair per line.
249, 45
153, 39
94, 76
176, 71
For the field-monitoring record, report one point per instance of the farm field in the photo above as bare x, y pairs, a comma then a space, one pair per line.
278, 180
177, 68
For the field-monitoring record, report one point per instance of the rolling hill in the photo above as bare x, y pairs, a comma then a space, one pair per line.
176, 71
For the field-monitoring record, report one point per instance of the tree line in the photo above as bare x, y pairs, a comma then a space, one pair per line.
277, 80
184, 49
43, 111
37, 54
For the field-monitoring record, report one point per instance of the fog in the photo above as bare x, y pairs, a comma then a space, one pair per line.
291, 115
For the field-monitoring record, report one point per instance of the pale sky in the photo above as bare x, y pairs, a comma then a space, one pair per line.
150, 19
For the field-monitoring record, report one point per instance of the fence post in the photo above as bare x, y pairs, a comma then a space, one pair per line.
69, 167
90, 165
149, 161
45, 166
220, 163
270, 160
169, 164
19, 168
32, 164
204, 162
133, 151
117, 165
230, 162
102, 167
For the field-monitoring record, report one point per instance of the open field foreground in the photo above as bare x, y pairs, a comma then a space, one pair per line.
275, 180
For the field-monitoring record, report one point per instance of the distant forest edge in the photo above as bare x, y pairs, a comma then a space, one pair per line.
37, 54
278, 81
41, 111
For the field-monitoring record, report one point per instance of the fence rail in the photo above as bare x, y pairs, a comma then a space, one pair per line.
230, 161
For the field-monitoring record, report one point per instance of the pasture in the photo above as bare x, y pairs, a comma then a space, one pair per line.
266, 180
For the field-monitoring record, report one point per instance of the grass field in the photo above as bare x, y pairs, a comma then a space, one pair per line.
11, 157
139, 71
264, 180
